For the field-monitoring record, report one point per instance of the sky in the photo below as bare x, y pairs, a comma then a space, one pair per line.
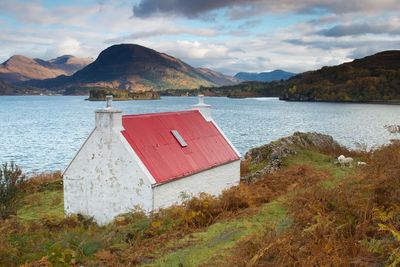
225, 35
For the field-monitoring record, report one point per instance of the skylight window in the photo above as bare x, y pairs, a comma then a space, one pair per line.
179, 138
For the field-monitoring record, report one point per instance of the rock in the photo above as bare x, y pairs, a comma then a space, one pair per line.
274, 153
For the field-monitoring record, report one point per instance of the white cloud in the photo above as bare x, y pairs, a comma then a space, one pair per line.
224, 45
198, 50
66, 46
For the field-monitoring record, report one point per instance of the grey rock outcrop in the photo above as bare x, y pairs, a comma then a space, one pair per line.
274, 153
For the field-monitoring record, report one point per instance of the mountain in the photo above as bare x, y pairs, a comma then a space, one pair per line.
275, 75
12, 89
70, 64
374, 78
219, 78
20, 68
7, 89
134, 67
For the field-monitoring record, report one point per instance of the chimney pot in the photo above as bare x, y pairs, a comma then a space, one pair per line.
201, 99
109, 99
204, 109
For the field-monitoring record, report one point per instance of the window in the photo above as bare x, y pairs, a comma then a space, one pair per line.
179, 138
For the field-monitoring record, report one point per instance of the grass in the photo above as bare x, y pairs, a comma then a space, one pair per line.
353, 222
40, 205
203, 251
211, 247
256, 167
321, 162
226, 229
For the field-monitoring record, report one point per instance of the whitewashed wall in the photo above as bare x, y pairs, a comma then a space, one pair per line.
212, 181
106, 178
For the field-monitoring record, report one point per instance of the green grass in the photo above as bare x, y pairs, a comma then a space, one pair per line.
40, 205
320, 162
256, 167
213, 244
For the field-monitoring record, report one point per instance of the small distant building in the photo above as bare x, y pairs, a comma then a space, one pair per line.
148, 161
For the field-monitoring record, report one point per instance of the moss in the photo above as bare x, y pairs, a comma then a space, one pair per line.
256, 167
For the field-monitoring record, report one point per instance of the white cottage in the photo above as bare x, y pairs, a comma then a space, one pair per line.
148, 160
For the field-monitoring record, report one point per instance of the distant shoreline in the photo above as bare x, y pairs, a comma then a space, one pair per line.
380, 102
121, 99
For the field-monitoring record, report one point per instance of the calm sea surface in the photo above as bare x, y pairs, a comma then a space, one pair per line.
43, 133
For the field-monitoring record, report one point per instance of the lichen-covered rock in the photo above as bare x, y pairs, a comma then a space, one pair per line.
272, 155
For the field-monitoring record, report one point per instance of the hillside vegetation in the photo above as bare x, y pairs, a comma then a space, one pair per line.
241, 90
374, 78
99, 94
308, 212
11, 89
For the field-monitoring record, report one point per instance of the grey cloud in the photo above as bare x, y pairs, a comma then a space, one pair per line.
359, 48
187, 8
358, 29
361, 52
237, 9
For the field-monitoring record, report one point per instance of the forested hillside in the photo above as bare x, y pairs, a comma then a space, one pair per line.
370, 79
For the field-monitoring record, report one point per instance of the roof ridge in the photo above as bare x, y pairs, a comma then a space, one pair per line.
164, 113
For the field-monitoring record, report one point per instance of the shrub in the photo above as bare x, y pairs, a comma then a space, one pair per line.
11, 178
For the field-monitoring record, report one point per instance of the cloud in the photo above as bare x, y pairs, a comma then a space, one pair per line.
199, 50
179, 7
360, 29
266, 34
245, 8
34, 12
250, 23
162, 32
66, 46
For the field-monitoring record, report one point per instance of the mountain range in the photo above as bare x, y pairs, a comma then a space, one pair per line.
136, 68
274, 75
374, 78
20, 68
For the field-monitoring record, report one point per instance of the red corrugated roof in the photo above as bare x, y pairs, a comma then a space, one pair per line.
151, 138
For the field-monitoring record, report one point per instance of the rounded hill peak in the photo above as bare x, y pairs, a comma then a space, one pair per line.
129, 61
16, 59
129, 53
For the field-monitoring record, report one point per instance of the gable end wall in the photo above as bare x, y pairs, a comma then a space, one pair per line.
105, 180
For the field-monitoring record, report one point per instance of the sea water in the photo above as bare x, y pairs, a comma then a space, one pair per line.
43, 133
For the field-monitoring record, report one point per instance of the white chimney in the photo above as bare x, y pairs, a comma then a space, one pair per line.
204, 109
108, 117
